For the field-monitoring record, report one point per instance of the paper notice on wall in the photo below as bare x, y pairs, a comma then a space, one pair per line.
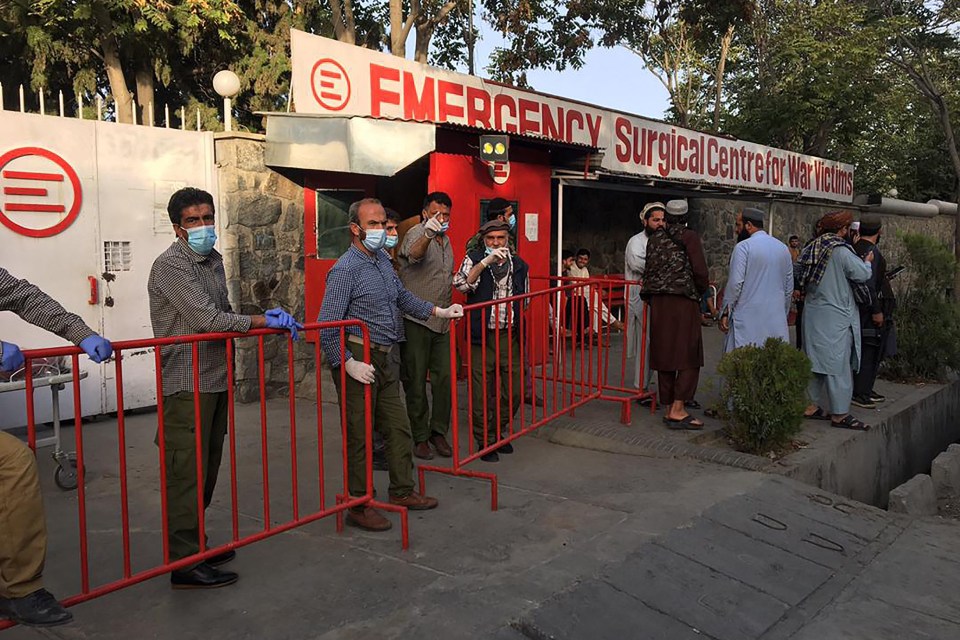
531, 226
162, 190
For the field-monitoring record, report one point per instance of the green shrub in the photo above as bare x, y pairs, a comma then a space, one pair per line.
763, 395
927, 319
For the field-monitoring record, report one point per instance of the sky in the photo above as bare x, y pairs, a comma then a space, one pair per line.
613, 78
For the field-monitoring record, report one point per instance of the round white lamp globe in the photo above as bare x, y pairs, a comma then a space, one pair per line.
226, 83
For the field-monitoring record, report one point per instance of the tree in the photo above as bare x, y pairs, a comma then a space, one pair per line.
924, 47
119, 43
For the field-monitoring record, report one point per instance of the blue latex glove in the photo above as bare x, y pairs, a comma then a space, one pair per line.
280, 319
12, 358
97, 347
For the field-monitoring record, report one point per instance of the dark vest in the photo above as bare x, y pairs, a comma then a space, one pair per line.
484, 293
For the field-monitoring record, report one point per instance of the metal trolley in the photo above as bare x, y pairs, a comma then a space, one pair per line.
66, 473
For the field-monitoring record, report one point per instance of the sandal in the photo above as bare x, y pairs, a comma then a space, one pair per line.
819, 414
849, 422
691, 404
687, 423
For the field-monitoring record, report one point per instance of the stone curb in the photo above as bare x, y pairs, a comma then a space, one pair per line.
914, 497
617, 439
945, 472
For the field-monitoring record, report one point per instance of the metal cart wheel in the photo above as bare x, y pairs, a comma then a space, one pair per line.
66, 474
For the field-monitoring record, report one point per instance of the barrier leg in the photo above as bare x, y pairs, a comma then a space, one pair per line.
482, 475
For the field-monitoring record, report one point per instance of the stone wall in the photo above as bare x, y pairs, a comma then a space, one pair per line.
261, 213
603, 221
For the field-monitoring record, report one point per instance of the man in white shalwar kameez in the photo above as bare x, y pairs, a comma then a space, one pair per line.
635, 260
759, 286
829, 270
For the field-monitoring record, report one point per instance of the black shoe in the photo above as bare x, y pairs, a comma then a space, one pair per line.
380, 462
202, 576
221, 558
876, 397
506, 447
863, 402
490, 457
39, 609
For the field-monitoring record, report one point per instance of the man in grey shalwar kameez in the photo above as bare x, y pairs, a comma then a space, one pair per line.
759, 288
829, 270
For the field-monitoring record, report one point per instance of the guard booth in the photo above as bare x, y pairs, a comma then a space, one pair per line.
398, 163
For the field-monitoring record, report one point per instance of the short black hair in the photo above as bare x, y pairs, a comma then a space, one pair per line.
186, 198
391, 214
583, 252
567, 254
439, 197
793, 238
496, 208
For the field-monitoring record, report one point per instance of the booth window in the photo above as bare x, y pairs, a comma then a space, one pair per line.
485, 203
333, 222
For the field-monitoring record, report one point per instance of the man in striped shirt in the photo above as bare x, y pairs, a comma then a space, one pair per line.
363, 285
188, 295
23, 539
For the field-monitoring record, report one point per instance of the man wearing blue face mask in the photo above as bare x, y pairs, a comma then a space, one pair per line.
363, 286
187, 288
426, 269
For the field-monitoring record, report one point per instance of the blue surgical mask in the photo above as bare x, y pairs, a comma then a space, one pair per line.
444, 227
391, 242
512, 221
487, 251
201, 239
375, 239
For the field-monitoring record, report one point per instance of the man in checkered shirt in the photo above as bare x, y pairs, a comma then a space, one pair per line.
188, 295
363, 285
23, 539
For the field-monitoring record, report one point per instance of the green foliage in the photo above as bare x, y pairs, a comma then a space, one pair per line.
927, 318
764, 394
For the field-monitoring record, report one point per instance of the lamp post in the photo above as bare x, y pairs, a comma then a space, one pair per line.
227, 84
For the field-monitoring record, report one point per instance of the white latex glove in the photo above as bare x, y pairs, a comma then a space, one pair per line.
360, 371
432, 226
453, 311
498, 255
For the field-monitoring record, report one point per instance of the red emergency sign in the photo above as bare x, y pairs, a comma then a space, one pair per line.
50, 186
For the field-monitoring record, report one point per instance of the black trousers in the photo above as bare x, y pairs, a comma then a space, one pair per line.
870, 357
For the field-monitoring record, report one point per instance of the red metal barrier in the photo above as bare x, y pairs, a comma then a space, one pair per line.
270, 528
568, 367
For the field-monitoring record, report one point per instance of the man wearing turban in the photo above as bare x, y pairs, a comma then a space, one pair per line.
829, 271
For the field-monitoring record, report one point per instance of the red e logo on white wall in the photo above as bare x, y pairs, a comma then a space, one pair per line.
41, 192
330, 84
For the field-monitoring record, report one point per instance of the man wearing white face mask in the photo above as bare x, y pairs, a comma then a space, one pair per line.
426, 270
362, 285
187, 288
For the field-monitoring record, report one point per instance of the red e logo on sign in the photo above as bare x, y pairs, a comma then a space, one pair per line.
40, 190
330, 84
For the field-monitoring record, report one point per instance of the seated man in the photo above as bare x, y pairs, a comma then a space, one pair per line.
600, 312
494, 274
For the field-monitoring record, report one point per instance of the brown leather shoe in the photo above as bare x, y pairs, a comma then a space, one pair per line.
422, 450
441, 445
367, 518
414, 501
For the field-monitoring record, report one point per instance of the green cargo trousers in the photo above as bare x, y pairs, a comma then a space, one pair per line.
426, 351
509, 391
23, 530
389, 418
183, 528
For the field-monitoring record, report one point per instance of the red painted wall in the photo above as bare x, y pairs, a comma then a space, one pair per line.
468, 180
